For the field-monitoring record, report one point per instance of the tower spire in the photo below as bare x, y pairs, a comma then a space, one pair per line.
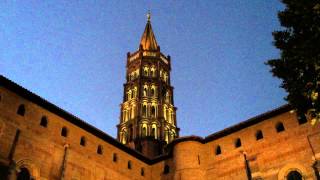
148, 116
148, 16
148, 40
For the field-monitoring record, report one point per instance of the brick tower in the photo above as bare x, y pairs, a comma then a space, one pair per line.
148, 115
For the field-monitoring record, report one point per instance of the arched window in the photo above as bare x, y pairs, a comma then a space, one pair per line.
115, 157
145, 91
154, 131
302, 119
166, 169
218, 150
237, 143
100, 150
144, 131
24, 174
279, 127
142, 172
152, 91
146, 71
294, 175
144, 110
64, 132
129, 165
83, 141
21, 110
153, 111
259, 135
44, 121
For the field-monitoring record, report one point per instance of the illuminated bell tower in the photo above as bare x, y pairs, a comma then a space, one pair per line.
148, 115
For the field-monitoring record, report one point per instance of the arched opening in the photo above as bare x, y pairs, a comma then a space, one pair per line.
237, 143
115, 157
218, 150
142, 172
100, 150
145, 91
166, 169
129, 165
83, 141
145, 71
302, 119
154, 131
64, 132
259, 135
144, 131
153, 111
44, 121
279, 127
294, 175
24, 174
123, 136
144, 110
21, 110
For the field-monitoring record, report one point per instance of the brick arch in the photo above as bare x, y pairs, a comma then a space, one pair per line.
31, 166
285, 170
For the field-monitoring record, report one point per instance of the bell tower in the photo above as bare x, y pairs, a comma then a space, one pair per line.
148, 115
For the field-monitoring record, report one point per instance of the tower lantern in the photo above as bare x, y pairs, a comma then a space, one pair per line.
148, 115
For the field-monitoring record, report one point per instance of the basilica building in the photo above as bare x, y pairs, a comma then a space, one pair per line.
41, 141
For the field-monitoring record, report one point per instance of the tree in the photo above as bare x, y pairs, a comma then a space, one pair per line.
299, 64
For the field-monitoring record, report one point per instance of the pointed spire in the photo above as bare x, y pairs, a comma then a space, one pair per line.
148, 40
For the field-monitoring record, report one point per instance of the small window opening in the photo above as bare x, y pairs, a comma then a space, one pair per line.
144, 110
115, 157
145, 92
129, 165
198, 159
218, 150
166, 169
44, 121
144, 132
294, 175
238, 143
0, 98
279, 127
302, 119
23, 174
83, 141
153, 132
259, 135
21, 110
142, 172
99, 150
64, 132
153, 111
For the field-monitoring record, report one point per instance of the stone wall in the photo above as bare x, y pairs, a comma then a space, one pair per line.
41, 149
44, 152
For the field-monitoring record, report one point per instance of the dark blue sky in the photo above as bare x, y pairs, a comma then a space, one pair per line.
73, 54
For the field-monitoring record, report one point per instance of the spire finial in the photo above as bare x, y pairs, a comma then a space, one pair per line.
148, 15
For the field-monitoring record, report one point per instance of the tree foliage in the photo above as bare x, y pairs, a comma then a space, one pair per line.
299, 64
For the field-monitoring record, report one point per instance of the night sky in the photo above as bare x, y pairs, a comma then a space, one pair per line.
73, 54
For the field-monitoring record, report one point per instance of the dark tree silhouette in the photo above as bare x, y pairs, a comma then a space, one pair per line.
299, 64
